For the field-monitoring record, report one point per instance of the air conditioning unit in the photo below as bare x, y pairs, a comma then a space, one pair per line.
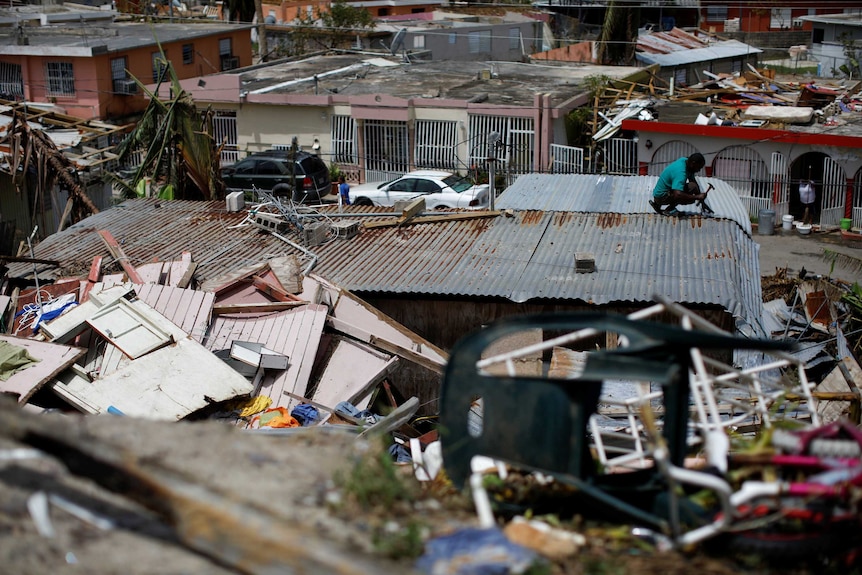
229, 62
126, 86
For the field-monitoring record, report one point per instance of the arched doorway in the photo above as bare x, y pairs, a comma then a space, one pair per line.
667, 153
747, 173
830, 185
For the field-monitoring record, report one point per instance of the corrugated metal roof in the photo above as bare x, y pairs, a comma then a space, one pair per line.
717, 51
602, 193
526, 256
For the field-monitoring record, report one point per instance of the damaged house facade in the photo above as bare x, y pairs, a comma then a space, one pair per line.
377, 118
88, 63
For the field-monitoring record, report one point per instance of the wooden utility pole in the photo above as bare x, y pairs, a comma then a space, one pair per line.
261, 30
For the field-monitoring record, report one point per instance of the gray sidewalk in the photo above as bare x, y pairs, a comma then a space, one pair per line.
794, 251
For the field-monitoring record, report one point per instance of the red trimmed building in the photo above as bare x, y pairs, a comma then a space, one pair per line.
767, 16
765, 166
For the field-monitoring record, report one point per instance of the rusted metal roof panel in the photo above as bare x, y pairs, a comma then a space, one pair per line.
528, 255
531, 256
599, 193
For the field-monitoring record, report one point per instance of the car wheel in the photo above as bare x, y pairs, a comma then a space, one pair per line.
362, 202
441, 208
282, 190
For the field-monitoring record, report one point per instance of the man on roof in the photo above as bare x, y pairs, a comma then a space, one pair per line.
677, 185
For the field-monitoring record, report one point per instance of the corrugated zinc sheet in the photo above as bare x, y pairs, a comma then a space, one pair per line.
682, 56
152, 229
531, 256
600, 193
528, 255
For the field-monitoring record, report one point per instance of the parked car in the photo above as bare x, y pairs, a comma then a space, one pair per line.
301, 175
440, 189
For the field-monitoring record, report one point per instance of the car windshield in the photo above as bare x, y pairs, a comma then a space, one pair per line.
458, 183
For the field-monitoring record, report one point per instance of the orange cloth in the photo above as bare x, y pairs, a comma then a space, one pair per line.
276, 417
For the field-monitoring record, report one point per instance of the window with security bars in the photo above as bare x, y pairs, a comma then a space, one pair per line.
514, 38
11, 81
61, 78
118, 73
779, 18
188, 54
225, 135
480, 42
436, 144
716, 13
386, 150
516, 150
343, 136
160, 66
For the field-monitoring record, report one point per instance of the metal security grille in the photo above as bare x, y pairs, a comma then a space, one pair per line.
621, 156
386, 153
567, 159
516, 152
436, 144
780, 185
480, 42
856, 213
61, 78
834, 192
746, 172
343, 135
224, 47
224, 134
667, 153
118, 68
11, 81
160, 66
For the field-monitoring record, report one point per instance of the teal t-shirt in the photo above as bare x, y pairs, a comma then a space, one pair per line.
673, 177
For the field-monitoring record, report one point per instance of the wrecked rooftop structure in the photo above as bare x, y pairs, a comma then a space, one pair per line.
291, 334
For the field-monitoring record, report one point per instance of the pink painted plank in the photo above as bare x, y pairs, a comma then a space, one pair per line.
53, 358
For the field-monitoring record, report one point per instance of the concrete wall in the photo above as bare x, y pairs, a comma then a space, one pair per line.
775, 40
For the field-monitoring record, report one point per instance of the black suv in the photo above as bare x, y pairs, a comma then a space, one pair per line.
305, 179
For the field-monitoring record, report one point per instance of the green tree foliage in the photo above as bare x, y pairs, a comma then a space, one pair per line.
344, 20
180, 154
616, 43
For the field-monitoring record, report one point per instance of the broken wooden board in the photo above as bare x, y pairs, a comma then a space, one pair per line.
53, 359
819, 309
450, 217
295, 333
129, 328
286, 269
354, 317
74, 321
188, 309
167, 384
351, 372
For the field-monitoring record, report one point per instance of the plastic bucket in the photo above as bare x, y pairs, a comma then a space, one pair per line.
787, 222
766, 222
846, 223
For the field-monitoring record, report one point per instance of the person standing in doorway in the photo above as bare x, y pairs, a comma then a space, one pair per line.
807, 197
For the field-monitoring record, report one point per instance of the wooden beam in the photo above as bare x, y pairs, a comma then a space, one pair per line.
383, 344
452, 217
114, 247
225, 308
412, 209
321, 407
271, 289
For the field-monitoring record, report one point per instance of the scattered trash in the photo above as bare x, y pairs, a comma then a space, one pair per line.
475, 552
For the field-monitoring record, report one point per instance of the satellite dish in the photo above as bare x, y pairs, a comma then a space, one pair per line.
397, 41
